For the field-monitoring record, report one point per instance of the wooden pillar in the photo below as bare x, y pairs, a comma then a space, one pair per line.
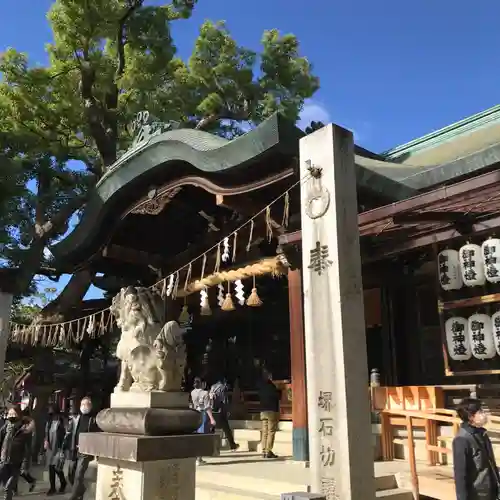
298, 367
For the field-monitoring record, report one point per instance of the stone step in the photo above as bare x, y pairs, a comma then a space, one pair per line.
216, 476
395, 494
218, 492
222, 486
213, 492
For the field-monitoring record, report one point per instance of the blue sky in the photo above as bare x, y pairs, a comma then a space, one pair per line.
391, 70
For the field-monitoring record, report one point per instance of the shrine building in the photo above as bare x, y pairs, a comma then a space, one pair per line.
211, 223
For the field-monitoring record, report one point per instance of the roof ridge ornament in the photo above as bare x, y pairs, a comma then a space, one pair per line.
143, 128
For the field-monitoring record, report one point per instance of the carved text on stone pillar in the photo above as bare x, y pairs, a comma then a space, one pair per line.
116, 489
327, 455
319, 260
169, 482
325, 401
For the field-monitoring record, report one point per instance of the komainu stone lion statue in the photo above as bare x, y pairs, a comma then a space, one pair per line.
152, 354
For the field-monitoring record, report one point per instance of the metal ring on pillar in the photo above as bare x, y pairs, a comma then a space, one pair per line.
324, 197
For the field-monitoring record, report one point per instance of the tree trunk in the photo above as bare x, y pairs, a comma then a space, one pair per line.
72, 293
30, 267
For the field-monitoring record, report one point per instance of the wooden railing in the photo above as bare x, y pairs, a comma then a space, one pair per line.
428, 420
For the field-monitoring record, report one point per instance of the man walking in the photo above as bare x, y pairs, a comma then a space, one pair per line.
269, 397
79, 463
15, 448
220, 410
474, 466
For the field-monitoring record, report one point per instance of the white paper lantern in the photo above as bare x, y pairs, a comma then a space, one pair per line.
457, 339
490, 252
495, 323
450, 275
471, 265
481, 336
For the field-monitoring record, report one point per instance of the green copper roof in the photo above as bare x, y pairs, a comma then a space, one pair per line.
450, 133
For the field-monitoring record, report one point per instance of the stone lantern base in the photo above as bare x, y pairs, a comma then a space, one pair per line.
143, 459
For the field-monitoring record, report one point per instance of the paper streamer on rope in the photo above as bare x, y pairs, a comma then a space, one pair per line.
250, 236
204, 303
233, 258
240, 292
75, 330
225, 252
170, 287
220, 294
269, 224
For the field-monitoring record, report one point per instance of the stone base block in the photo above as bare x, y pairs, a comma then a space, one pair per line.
130, 448
302, 496
160, 480
153, 399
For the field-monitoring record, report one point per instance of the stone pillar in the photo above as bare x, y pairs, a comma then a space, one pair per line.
340, 445
148, 449
298, 367
5, 311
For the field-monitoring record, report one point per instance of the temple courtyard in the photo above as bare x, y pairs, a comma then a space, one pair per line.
246, 476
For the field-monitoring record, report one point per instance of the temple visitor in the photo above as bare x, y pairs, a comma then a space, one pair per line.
474, 466
269, 398
219, 401
200, 401
79, 463
15, 449
26, 466
53, 445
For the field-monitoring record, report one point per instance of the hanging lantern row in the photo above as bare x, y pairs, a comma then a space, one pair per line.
472, 265
477, 336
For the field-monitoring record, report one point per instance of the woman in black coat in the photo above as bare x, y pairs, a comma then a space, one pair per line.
54, 438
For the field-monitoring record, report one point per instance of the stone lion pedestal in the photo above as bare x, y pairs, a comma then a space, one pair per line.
148, 447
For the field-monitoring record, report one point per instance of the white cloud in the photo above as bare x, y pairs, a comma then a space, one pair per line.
313, 111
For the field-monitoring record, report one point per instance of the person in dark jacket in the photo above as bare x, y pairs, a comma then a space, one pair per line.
474, 466
25, 470
79, 463
15, 449
53, 445
269, 398
220, 409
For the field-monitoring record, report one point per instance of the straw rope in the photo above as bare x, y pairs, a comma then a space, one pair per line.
95, 324
271, 265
